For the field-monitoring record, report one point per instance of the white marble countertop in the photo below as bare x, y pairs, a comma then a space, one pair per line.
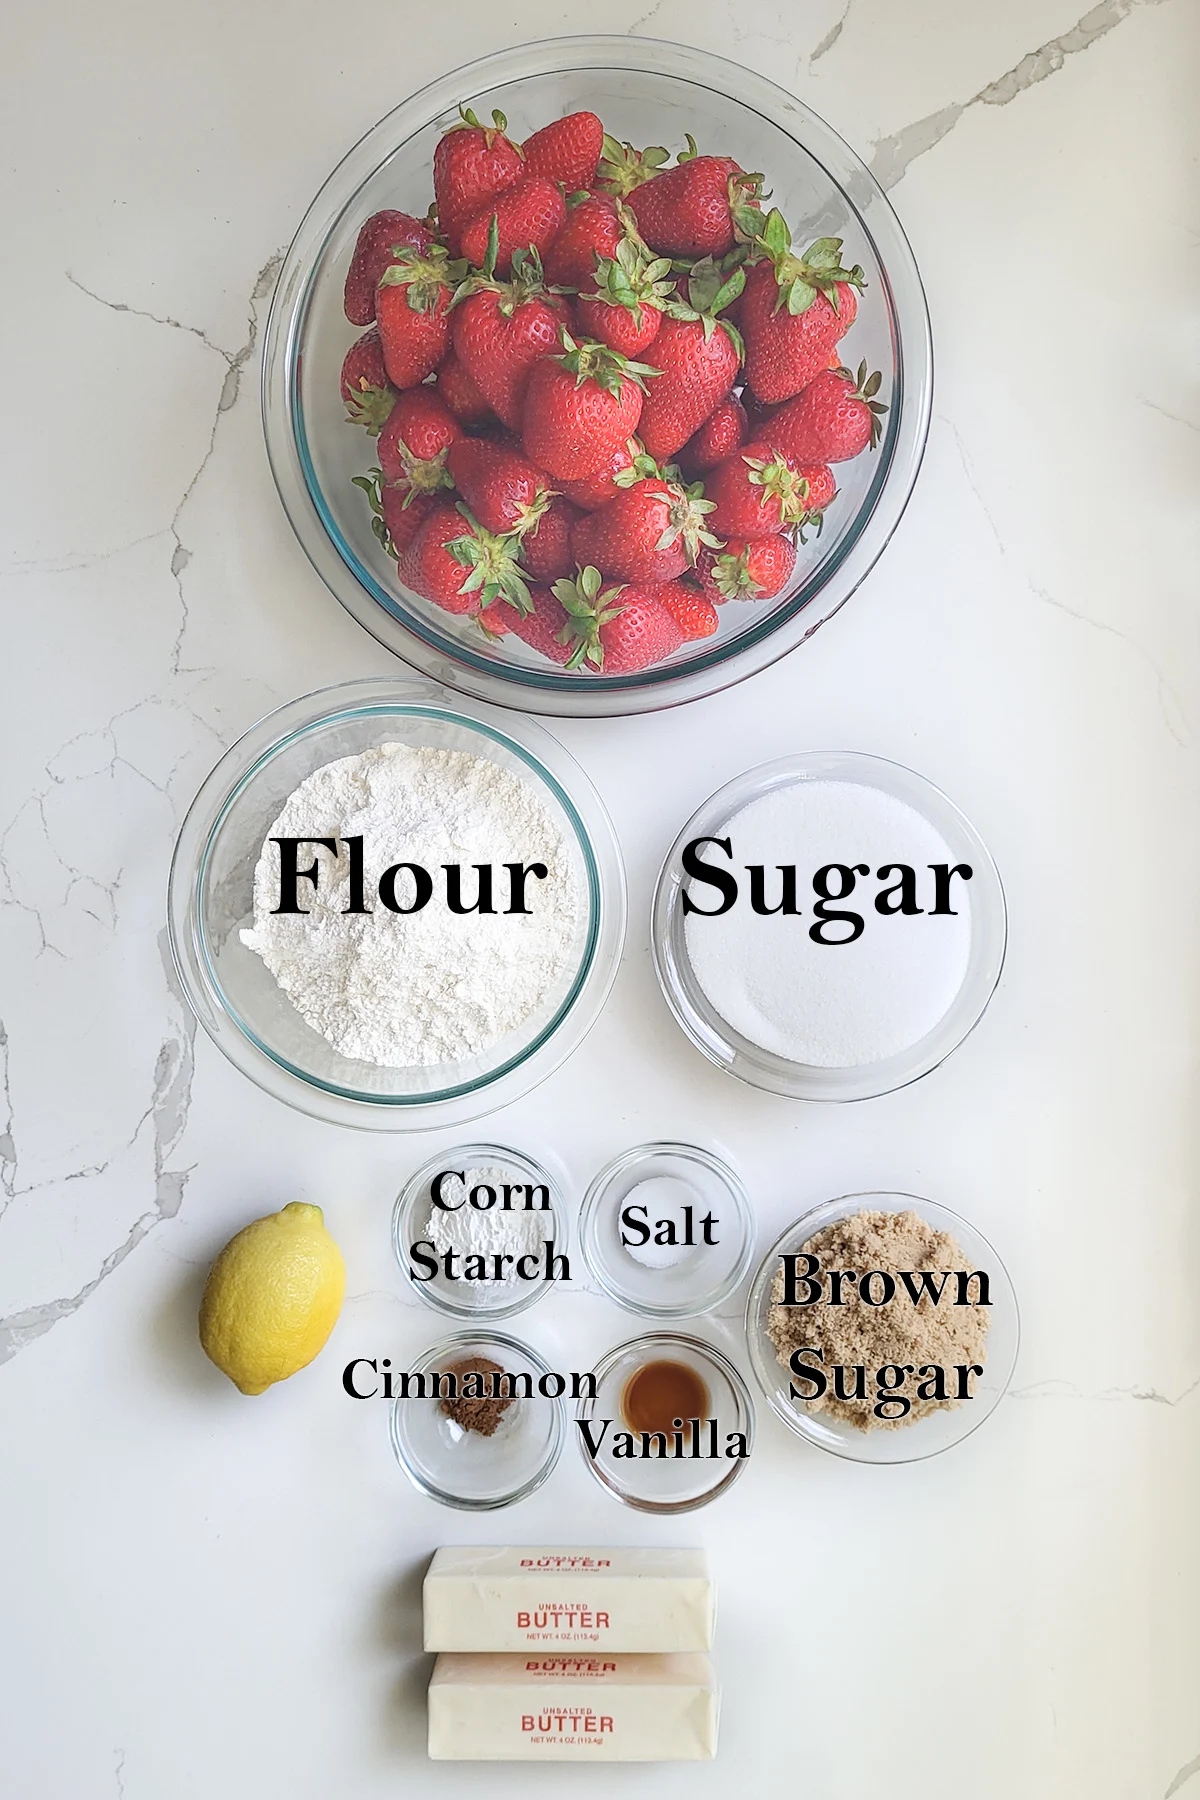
204, 1596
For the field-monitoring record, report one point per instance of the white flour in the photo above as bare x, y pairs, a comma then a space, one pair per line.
432, 986
830, 1006
490, 1232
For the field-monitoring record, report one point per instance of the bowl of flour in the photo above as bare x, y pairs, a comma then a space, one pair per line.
828, 926
390, 911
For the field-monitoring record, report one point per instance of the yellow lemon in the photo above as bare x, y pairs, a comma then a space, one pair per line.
272, 1298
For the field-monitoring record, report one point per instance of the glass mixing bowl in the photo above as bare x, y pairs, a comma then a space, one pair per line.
238, 1001
646, 92
729, 1048
668, 1483
463, 1468
684, 1282
938, 1430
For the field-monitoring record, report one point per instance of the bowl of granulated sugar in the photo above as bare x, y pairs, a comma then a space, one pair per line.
396, 912
828, 926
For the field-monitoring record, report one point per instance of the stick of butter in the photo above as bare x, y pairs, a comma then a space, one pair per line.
538, 1599
563, 1708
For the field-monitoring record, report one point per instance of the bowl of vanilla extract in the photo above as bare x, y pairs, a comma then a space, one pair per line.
670, 1426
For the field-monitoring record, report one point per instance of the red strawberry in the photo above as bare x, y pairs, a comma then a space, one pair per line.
580, 408
471, 163
701, 207
567, 150
625, 311
461, 392
692, 611
546, 550
404, 513
597, 490
529, 216
698, 355
794, 310
747, 569
503, 490
831, 420
414, 442
461, 567
755, 493
397, 514
372, 254
592, 230
616, 629
368, 393
544, 628
650, 532
500, 330
623, 168
724, 430
411, 306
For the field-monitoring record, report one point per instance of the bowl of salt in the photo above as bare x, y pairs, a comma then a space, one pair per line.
828, 926
667, 1231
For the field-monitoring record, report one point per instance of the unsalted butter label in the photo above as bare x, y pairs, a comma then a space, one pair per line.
568, 1599
518, 1708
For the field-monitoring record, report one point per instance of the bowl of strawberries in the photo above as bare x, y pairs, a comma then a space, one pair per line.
597, 376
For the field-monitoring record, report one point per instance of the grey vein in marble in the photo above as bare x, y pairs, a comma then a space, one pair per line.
235, 361
167, 1115
831, 36
1185, 1774
168, 1109
894, 155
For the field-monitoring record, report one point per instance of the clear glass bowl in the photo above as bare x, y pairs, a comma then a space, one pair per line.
704, 1275
647, 92
210, 899
464, 1468
462, 1300
668, 1484
750, 1062
938, 1430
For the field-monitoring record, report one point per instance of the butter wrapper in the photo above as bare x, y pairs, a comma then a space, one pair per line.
581, 1708
494, 1599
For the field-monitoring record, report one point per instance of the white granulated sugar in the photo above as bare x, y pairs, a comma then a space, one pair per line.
432, 986
832, 1006
492, 1231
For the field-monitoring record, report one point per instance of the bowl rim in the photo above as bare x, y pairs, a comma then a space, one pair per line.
594, 1198
530, 1291
456, 1344
827, 1212
739, 1056
410, 635
746, 1414
536, 749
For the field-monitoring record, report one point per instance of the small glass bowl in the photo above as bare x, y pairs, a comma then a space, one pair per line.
721, 1042
938, 1430
464, 1468
210, 898
705, 1275
645, 91
461, 1299
668, 1484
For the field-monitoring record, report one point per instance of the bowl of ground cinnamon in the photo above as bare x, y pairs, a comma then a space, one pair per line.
882, 1327
476, 1422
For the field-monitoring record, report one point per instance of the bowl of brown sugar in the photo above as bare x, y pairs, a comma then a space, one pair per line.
882, 1327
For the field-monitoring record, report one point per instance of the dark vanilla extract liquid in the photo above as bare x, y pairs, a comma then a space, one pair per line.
659, 1393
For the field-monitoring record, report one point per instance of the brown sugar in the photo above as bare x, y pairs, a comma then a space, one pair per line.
856, 1334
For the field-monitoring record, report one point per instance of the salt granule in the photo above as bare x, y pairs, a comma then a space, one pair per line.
831, 1006
664, 1197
